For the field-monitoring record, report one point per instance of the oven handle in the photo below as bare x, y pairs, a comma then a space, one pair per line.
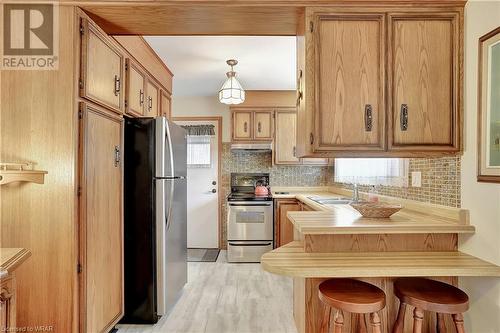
250, 204
250, 244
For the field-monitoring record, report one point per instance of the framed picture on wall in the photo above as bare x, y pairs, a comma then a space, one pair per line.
489, 108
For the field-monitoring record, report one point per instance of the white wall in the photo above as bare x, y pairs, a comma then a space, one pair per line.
482, 199
203, 106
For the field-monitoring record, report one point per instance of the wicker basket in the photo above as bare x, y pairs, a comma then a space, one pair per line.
376, 209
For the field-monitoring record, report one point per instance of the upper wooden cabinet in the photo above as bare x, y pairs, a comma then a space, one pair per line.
242, 122
379, 82
165, 104
135, 88
424, 114
285, 138
349, 72
263, 129
102, 68
152, 98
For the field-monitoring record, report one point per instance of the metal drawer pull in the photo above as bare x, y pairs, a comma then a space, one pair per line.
150, 103
250, 244
117, 156
403, 119
117, 85
368, 118
141, 97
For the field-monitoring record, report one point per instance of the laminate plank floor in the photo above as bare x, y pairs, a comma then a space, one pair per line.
228, 298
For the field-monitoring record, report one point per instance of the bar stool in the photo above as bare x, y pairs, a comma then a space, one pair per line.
429, 295
351, 296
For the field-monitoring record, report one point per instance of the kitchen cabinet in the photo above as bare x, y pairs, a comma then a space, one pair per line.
7, 304
152, 98
135, 88
263, 125
165, 104
242, 125
379, 83
283, 226
285, 152
101, 219
102, 68
424, 89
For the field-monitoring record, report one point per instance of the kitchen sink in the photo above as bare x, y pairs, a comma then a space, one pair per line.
331, 201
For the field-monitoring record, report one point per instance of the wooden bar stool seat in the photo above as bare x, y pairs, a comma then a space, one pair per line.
430, 295
351, 296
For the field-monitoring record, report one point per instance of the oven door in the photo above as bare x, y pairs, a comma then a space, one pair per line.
250, 220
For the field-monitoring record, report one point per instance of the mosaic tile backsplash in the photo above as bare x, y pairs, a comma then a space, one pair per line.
440, 178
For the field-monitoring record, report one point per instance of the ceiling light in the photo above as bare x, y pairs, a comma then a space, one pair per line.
231, 92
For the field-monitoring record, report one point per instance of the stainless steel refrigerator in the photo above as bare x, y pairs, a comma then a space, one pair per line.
155, 198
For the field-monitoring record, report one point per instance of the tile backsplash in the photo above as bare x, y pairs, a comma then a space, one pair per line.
440, 182
440, 178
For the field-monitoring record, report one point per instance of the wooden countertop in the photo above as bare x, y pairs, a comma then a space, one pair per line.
414, 218
11, 258
291, 260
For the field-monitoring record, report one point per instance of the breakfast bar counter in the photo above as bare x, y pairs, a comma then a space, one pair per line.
335, 241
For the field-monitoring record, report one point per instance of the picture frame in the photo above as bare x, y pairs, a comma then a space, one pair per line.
489, 108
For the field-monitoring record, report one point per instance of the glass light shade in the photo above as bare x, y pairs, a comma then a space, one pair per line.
231, 92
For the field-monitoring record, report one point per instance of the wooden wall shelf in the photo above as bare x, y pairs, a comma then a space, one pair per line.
20, 172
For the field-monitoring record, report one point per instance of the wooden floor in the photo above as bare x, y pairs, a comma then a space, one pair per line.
228, 298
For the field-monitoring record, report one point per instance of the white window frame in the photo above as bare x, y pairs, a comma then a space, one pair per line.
372, 171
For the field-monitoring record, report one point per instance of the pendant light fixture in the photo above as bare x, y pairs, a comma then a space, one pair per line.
231, 92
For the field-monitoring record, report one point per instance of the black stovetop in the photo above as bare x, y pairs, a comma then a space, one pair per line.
243, 187
242, 196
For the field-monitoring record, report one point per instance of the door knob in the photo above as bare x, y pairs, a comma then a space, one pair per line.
214, 183
214, 190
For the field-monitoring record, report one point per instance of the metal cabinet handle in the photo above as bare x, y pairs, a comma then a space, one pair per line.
214, 190
294, 151
259, 127
141, 97
117, 156
403, 118
368, 118
117, 85
214, 183
299, 87
150, 103
245, 126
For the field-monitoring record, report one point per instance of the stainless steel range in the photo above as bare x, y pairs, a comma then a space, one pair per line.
250, 225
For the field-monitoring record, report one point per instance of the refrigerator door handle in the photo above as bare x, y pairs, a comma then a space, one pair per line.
169, 206
170, 149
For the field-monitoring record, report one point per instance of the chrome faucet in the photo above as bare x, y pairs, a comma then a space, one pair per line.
355, 192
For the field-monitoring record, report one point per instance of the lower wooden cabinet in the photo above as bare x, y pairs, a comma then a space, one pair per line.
101, 219
283, 226
7, 304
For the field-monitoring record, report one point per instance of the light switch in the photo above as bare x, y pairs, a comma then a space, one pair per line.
416, 179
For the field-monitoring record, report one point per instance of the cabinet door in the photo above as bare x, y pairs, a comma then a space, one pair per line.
166, 105
263, 125
424, 73
153, 94
7, 304
242, 122
102, 68
135, 88
101, 220
284, 226
349, 85
285, 138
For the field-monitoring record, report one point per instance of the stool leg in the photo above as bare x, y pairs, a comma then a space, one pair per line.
362, 323
375, 322
458, 319
440, 324
400, 322
325, 322
418, 317
339, 322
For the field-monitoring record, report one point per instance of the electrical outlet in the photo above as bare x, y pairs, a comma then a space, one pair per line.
416, 179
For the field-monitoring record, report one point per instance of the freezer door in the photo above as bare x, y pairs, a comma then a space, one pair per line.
171, 149
172, 242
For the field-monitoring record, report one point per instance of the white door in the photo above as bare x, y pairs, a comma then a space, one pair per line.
203, 195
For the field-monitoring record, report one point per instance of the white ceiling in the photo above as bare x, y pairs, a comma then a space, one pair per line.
199, 62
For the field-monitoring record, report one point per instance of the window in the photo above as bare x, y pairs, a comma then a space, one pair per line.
372, 171
199, 151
